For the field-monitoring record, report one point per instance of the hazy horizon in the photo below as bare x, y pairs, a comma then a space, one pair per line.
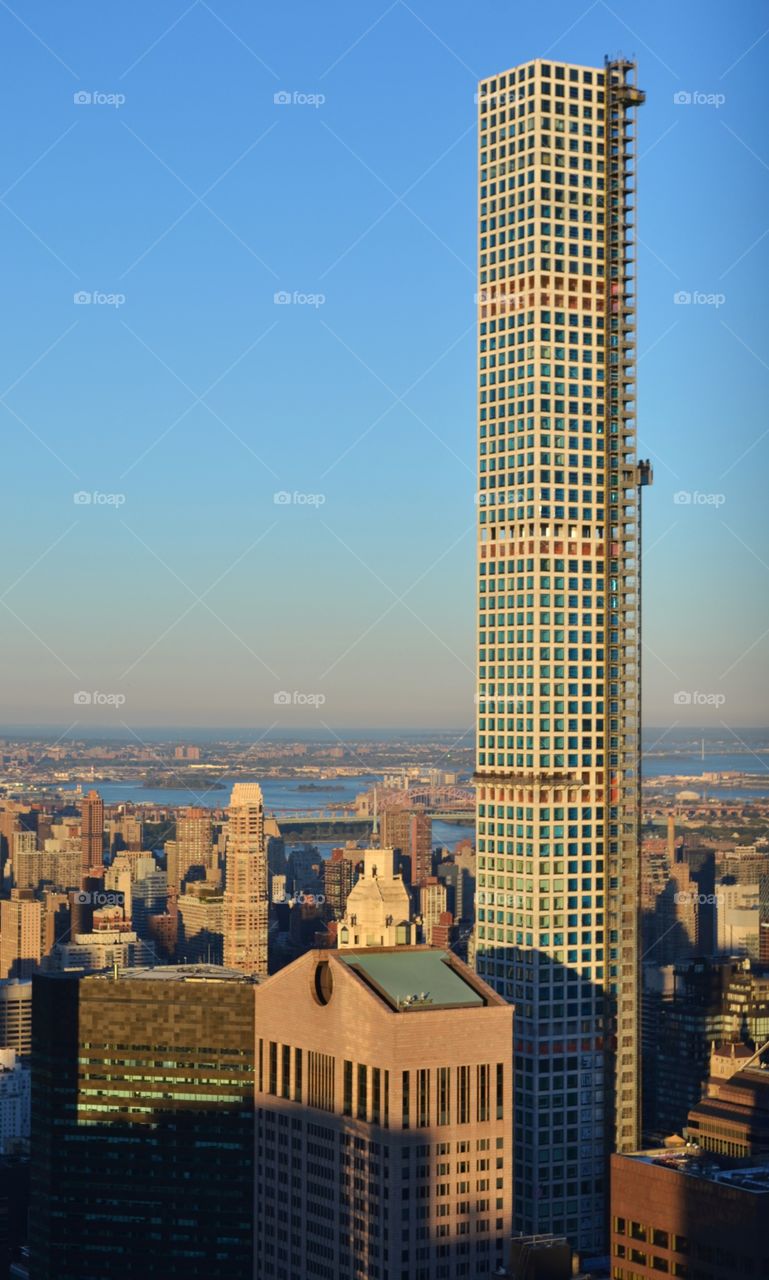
240, 370
112, 733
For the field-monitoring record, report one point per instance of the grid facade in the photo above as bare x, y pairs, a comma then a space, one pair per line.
246, 896
142, 1135
558, 623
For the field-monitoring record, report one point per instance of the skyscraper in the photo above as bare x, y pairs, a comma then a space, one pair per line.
142, 1156
92, 834
411, 832
21, 934
383, 1097
192, 848
558, 790
246, 898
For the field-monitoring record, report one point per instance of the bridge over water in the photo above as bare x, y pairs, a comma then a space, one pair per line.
322, 825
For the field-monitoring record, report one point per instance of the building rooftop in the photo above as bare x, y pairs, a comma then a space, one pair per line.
414, 978
245, 793
696, 1163
180, 973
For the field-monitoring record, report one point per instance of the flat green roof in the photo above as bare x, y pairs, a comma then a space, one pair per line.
413, 979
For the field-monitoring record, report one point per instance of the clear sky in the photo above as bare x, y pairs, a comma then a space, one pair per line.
182, 198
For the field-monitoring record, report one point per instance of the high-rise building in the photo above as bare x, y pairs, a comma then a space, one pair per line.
191, 853
14, 1103
411, 833
338, 878
13, 817
142, 1155
383, 1096
26, 863
126, 831
16, 1015
713, 1001
201, 924
21, 934
558, 745
92, 833
432, 905
738, 919
732, 1117
246, 896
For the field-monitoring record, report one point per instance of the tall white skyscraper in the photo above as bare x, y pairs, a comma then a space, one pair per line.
558, 789
246, 900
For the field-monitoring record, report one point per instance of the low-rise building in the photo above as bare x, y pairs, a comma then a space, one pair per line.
685, 1212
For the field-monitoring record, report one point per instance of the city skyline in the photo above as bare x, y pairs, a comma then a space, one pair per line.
483, 990
198, 568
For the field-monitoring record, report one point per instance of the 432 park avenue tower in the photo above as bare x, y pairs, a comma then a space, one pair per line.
558, 789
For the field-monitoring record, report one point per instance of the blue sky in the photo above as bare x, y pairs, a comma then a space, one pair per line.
185, 193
